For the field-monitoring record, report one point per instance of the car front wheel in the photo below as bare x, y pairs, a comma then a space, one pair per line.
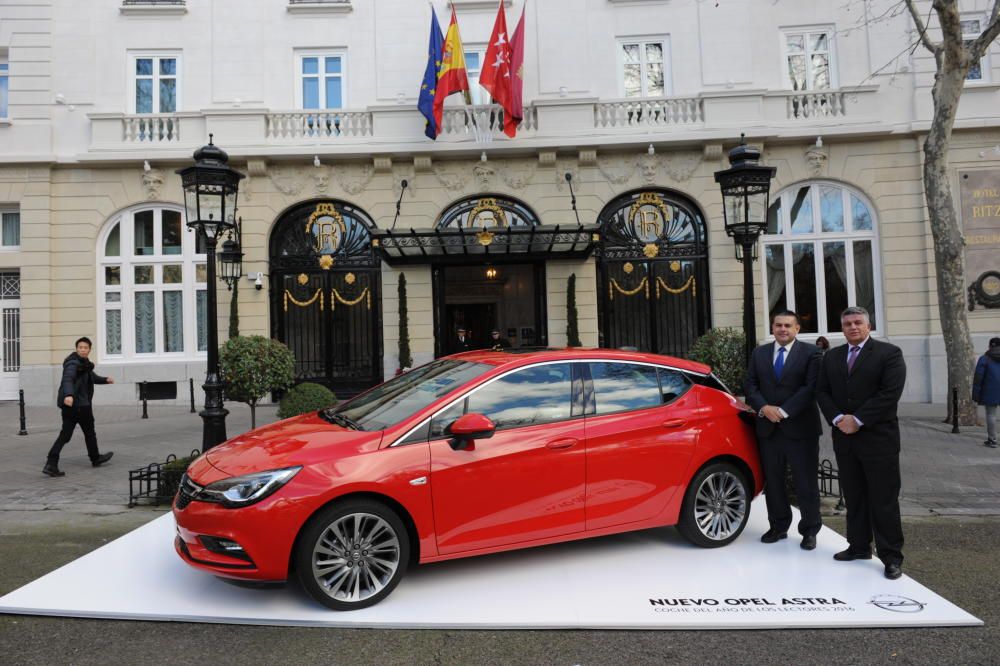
352, 554
716, 506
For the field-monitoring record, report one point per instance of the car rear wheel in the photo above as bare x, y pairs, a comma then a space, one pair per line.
716, 506
352, 555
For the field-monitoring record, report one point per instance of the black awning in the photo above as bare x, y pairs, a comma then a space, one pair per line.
457, 245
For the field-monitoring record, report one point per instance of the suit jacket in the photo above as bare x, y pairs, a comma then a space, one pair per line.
794, 392
870, 392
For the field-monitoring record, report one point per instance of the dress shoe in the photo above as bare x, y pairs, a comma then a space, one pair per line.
101, 459
893, 571
808, 542
773, 536
52, 470
848, 555
992, 443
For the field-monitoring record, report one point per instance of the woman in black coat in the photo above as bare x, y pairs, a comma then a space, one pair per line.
76, 393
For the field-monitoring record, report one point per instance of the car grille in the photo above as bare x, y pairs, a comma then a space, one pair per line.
187, 492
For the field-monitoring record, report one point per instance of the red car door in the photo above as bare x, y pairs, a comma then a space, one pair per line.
524, 483
641, 432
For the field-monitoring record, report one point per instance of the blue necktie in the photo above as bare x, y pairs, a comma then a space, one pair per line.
779, 363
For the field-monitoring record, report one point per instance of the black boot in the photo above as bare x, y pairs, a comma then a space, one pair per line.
52, 469
101, 459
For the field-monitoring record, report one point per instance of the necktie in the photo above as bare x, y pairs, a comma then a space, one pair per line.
779, 363
851, 358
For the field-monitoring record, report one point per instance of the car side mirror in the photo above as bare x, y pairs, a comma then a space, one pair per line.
468, 428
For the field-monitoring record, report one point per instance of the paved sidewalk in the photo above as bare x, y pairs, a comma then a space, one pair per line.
943, 474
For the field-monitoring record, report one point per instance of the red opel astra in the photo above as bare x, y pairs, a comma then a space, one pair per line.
471, 454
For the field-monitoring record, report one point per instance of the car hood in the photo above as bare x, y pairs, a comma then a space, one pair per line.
301, 440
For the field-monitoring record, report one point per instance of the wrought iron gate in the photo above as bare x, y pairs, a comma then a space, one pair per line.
325, 296
653, 281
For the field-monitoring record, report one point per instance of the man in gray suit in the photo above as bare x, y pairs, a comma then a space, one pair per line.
780, 386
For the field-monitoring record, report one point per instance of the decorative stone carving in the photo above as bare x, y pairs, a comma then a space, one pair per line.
816, 157
398, 175
681, 166
517, 174
152, 181
288, 181
617, 170
547, 158
712, 152
649, 168
354, 178
256, 168
455, 177
422, 163
587, 158
383, 164
484, 174
564, 167
321, 179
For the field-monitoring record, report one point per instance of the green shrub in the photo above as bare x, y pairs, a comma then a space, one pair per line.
252, 367
170, 477
304, 398
723, 349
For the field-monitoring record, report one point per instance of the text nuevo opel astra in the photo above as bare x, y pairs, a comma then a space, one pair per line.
471, 454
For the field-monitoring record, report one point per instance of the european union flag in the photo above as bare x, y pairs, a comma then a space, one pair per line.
435, 51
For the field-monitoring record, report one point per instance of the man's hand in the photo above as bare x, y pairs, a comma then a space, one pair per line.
771, 413
110, 380
68, 401
848, 425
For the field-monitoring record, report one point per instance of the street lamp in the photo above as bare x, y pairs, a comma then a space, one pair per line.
746, 186
231, 262
210, 189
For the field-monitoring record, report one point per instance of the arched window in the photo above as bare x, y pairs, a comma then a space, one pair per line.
151, 286
821, 255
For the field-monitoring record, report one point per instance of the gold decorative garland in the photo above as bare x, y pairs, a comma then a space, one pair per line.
335, 296
690, 284
304, 304
614, 286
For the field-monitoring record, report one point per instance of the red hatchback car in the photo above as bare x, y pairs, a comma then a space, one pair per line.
471, 454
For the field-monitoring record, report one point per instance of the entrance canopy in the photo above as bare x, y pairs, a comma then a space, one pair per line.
486, 228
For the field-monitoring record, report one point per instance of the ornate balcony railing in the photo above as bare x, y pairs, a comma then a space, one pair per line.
483, 121
148, 128
815, 104
318, 124
655, 112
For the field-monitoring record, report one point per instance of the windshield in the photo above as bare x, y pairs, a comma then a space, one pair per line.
400, 397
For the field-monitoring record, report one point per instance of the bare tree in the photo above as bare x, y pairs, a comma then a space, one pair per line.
953, 57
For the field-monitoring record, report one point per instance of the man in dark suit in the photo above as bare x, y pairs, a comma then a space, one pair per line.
780, 386
461, 342
859, 387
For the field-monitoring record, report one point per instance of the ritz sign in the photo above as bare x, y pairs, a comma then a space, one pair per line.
647, 220
980, 194
326, 226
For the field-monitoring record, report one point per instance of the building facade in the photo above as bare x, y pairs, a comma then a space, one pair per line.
630, 107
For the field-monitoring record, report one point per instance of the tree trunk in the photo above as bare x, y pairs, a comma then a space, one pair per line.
949, 244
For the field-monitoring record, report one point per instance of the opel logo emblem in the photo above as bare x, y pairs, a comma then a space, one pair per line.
897, 604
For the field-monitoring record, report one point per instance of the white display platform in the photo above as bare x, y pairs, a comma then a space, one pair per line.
645, 580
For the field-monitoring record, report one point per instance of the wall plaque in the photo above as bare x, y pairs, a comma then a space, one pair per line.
980, 196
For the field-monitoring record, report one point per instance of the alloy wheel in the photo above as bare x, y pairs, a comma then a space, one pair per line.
720, 505
356, 557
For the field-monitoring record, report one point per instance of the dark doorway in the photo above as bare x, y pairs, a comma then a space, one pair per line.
325, 287
481, 297
653, 282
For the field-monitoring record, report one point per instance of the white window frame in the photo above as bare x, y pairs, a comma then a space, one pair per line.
984, 62
7, 210
806, 31
156, 56
477, 92
322, 76
642, 41
127, 260
5, 76
785, 238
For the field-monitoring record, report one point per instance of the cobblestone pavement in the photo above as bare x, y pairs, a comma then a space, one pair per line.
943, 473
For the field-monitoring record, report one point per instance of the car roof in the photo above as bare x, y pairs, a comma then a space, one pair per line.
518, 357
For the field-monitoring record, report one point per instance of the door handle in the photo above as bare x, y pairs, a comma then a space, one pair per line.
564, 443
674, 423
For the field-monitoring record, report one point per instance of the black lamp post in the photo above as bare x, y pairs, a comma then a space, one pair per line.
231, 261
210, 190
746, 187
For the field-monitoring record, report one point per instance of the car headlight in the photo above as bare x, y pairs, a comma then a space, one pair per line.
249, 489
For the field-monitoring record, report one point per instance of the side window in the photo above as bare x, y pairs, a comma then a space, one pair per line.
621, 387
440, 423
539, 394
673, 385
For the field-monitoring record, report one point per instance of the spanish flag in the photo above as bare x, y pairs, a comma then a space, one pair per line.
452, 77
